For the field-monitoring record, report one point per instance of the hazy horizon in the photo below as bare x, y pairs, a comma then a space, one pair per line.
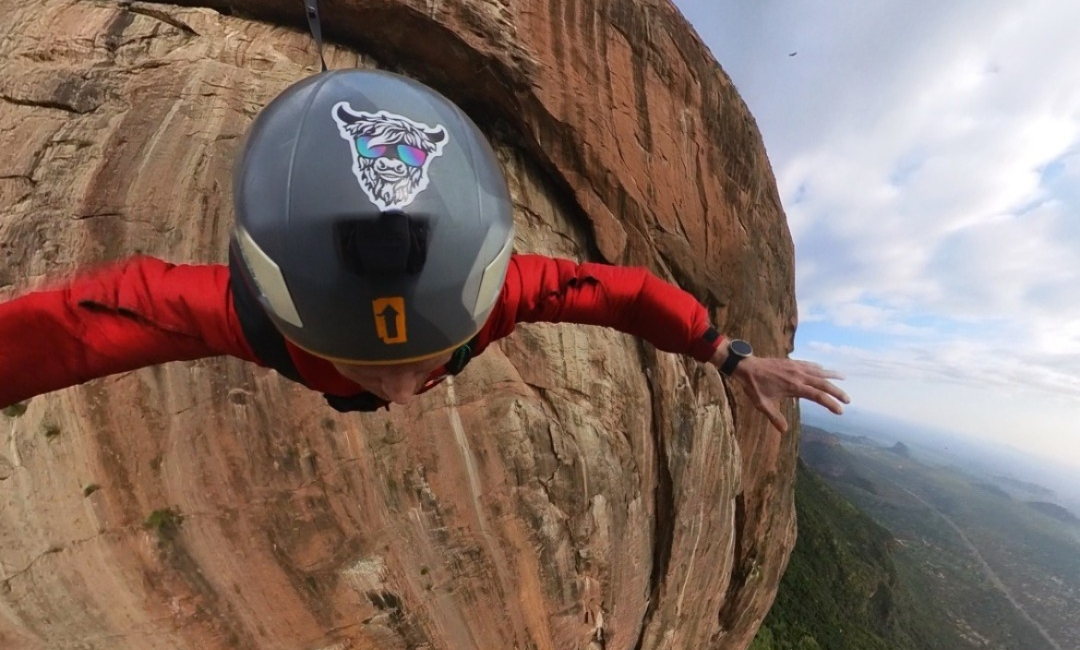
987, 455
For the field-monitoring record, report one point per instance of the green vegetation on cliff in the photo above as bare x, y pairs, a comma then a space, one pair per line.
843, 589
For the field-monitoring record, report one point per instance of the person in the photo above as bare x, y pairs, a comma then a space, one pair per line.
371, 257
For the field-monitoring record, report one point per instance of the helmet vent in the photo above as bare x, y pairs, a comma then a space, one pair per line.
395, 243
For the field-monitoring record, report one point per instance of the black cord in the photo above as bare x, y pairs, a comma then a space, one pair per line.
315, 25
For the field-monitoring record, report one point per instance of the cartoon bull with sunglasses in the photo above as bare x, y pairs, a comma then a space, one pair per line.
390, 153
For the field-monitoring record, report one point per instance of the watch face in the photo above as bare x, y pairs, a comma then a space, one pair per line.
741, 348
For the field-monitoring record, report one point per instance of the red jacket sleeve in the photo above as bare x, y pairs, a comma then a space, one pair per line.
629, 299
121, 317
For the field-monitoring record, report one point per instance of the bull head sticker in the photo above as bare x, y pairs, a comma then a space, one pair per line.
390, 153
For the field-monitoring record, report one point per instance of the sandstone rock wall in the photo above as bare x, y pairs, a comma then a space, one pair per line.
572, 489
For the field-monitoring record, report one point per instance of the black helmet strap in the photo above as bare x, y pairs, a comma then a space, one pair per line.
315, 25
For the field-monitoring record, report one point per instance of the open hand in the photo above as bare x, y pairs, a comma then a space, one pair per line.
768, 379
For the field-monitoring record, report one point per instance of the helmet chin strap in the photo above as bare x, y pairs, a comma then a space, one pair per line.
314, 24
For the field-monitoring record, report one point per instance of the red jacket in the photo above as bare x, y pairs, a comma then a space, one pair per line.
144, 311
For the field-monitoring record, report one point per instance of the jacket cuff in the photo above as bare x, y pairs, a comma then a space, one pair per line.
705, 346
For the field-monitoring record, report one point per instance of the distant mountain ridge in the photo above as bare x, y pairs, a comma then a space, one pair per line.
1031, 488
823, 451
1055, 511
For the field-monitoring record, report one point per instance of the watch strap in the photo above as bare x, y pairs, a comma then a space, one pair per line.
730, 363
737, 351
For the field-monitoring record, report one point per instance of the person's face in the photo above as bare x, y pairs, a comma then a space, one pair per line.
397, 382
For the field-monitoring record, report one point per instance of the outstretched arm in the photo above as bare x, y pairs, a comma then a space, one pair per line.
136, 313
635, 301
629, 299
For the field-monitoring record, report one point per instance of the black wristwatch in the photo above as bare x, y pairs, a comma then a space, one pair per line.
737, 350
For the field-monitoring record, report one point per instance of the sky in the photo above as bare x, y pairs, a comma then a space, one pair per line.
928, 158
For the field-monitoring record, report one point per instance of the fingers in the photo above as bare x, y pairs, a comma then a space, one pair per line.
824, 394
773, 413
766, 404
827, 394
817, 387
770, 379
825, 400
818, 370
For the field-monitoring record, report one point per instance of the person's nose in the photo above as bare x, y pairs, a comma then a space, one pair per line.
399, 388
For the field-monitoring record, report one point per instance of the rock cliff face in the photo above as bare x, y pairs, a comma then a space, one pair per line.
572, 489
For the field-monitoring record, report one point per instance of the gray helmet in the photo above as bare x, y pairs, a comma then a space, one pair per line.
373, 221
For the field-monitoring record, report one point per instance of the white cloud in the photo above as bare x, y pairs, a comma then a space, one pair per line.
915, 186
1020, 266
954, 361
